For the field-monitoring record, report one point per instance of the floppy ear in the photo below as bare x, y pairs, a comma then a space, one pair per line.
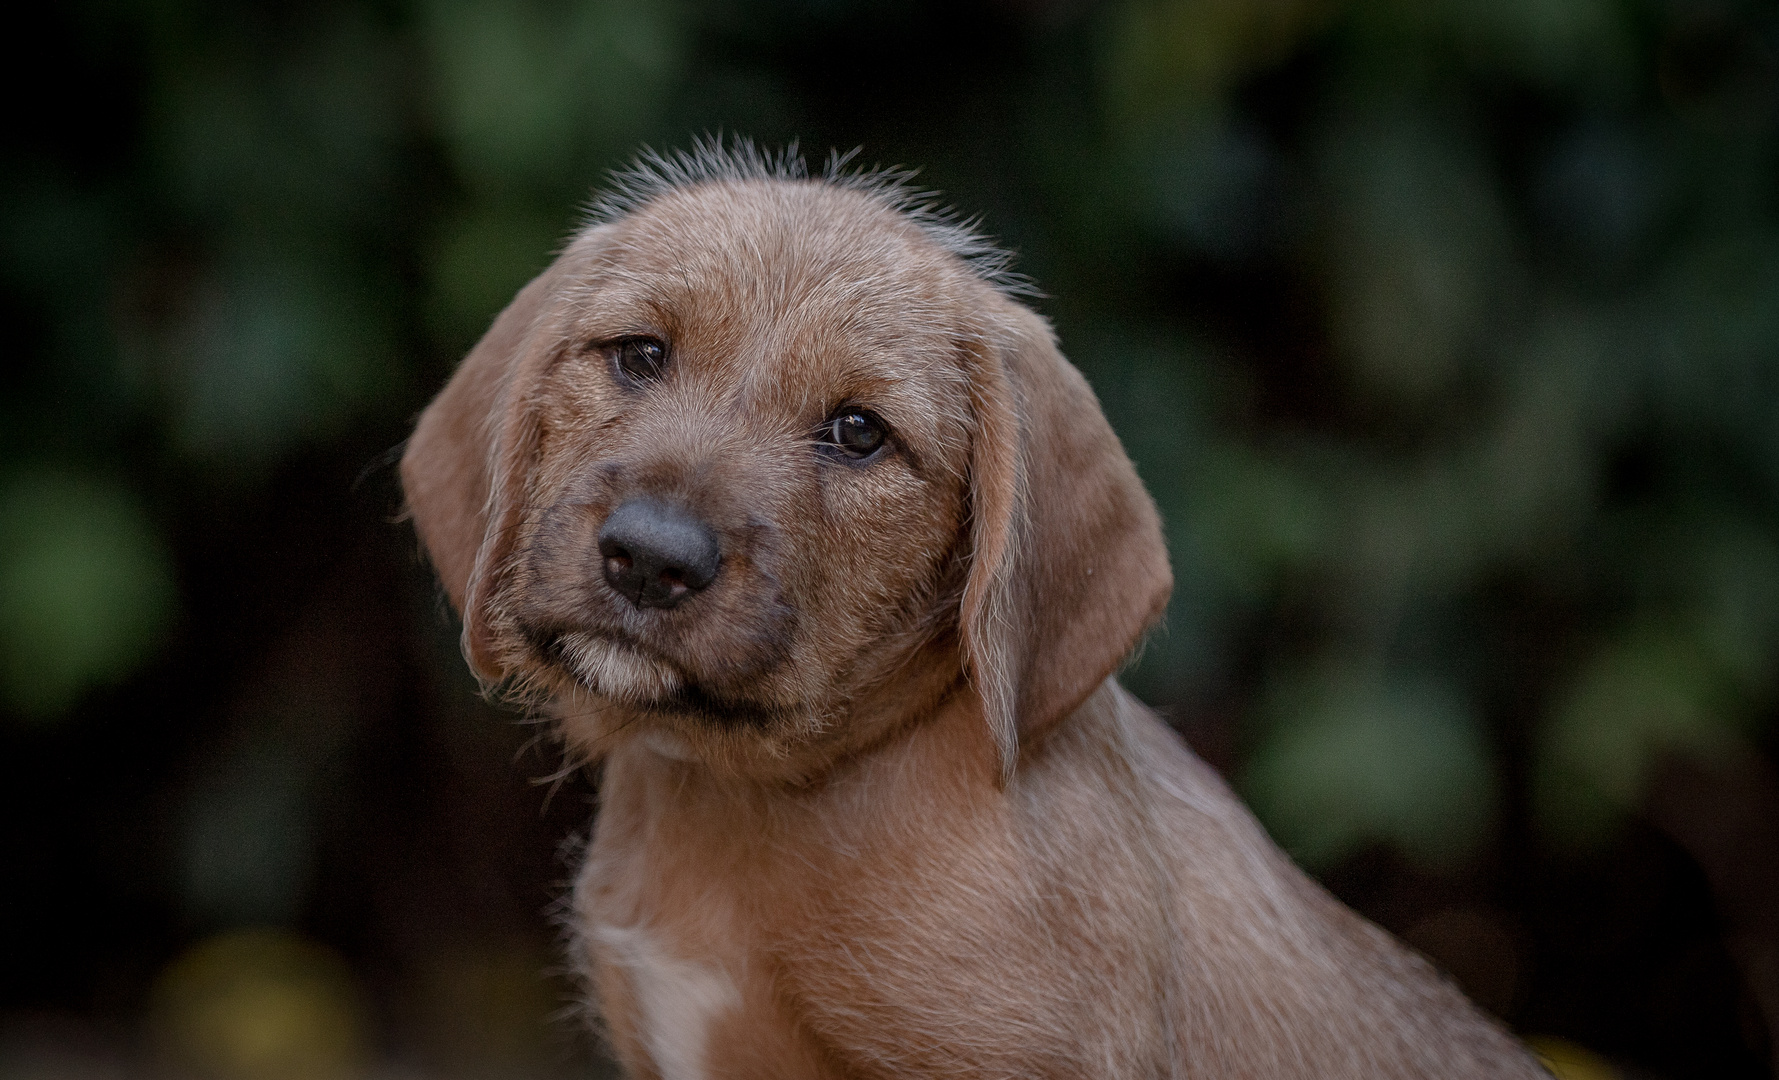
1068, 567
460, 468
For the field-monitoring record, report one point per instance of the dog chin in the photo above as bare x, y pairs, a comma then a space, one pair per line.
627, 677
617, 671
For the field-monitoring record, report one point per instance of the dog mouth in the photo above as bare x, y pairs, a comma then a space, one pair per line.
623, 671
610, 667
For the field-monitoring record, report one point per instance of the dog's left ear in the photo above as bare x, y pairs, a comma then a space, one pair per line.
464, 468
1068, 567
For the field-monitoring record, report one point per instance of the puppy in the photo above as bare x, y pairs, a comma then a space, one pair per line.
771, 493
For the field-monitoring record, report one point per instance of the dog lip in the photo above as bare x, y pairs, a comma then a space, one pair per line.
689, 696
549, 640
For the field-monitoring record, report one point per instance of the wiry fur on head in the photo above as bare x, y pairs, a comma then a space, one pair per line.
711, 159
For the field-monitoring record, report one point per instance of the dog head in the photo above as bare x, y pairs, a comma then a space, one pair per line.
764, 465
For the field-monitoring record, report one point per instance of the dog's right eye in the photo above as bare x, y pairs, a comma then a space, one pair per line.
639, 359
857, 434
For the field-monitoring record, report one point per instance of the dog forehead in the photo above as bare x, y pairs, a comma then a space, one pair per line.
795, 292
771, 248
759, 219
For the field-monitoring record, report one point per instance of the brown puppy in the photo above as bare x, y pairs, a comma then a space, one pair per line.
774, 497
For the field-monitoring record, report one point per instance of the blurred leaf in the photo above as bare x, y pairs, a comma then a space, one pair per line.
1714, 326
246, 849
1653, 691
58, 247
523, 90
309, 129
1517, 487
86, 589
1162, 55
1734, 593
52, 235
1255, 516
1585, 44
1689, 674
274, 352
1531, 475
1211, 181
1419, 249
1350, 760
480, 262
1602, 189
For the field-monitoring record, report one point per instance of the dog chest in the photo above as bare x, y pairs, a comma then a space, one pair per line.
673, 1003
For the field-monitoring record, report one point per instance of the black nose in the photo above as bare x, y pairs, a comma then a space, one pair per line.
656, 554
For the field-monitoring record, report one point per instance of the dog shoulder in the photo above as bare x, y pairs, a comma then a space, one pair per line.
1293, 975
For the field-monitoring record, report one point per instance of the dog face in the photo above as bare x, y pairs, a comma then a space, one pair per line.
747, 489
743, 475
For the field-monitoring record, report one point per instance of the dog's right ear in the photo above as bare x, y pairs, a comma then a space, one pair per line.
461, 470
1068, 567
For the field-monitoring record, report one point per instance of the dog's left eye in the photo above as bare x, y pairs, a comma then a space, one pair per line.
857, 433
639, 359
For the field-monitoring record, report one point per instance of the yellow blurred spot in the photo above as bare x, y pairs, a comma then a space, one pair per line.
259, 1005
1567, 1061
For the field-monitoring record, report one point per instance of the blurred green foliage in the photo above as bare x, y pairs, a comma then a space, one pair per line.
1345, 763
1528, 241
85, 590
1445, 333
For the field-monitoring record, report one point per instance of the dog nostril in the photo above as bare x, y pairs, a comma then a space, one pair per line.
656, 553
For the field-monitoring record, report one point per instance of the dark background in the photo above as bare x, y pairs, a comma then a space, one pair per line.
1446, 333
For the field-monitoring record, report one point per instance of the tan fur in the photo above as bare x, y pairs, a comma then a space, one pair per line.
872, 803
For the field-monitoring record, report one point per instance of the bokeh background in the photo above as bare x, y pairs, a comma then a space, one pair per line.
1445, 332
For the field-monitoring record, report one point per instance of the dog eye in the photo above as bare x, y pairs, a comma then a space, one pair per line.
857, 433
640, 359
